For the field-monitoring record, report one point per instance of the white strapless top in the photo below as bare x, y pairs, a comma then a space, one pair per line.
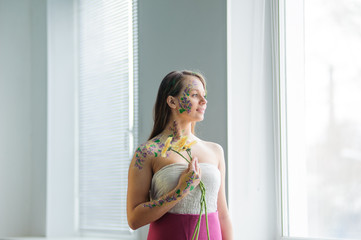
166, 179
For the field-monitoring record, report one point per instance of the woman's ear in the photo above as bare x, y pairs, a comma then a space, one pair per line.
171, 101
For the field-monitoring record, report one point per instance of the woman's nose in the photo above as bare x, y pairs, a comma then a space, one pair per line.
204, 100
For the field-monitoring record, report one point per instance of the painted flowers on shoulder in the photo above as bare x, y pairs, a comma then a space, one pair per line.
177, 147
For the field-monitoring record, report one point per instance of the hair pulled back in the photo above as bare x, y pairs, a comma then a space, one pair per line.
171, 85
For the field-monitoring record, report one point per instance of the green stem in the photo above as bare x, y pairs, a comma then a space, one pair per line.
205, 210
202, 201
180, 155
200, 219
189, 153
196, 230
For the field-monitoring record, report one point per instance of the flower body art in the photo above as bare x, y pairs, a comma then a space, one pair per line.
151, 148
188, 186
189, 182
140, 155
167, 199
175, 135
160, 202
185, 104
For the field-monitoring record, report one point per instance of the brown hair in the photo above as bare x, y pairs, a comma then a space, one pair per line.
171, 85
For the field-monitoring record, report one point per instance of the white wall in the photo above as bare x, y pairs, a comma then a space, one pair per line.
37, 73
61, 144
23, 117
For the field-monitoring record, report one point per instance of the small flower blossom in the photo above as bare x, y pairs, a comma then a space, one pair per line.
188, 146
178, 146
166, 147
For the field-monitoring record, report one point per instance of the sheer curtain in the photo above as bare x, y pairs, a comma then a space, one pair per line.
252, 197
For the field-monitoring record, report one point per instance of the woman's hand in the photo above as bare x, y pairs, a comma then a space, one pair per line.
141, 211
190, 178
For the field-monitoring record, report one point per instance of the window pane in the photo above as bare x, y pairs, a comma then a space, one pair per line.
323, 86
106, 111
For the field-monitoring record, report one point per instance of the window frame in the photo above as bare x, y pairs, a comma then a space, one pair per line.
278, 73
280, 120
278, 29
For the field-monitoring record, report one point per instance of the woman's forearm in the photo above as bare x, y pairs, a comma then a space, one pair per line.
226, 228
151, 211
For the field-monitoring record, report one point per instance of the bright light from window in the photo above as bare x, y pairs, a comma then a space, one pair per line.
322, 89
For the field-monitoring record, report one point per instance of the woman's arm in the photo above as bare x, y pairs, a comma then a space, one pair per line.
224, 218
141, 211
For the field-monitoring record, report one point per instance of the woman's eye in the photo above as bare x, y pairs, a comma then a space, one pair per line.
195, 95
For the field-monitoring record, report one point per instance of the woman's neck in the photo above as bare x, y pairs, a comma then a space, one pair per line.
177, 129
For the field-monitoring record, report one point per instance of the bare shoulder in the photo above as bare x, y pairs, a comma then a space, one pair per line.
215, 147
146, 152
216, 150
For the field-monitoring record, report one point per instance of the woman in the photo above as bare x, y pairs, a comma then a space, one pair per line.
172, 209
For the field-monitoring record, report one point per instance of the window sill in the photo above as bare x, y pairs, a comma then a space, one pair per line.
302, 238
72, 238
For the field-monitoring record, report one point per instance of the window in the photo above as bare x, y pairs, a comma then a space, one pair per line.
107, 111
320, 85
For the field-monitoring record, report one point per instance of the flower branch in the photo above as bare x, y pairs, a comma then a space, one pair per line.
177, 148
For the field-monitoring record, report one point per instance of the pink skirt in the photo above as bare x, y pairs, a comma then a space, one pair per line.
181, 227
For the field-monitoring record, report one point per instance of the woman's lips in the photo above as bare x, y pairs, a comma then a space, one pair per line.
201, 110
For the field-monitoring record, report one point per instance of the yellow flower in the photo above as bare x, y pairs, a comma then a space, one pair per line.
166, 147
178, 146
188, 146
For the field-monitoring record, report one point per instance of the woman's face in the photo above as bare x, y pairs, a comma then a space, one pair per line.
191, 100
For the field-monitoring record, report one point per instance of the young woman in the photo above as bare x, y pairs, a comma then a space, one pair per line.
164, 190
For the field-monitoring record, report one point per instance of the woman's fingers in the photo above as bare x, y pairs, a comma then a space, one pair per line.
194, 169
195, 164
191, 176
197, 169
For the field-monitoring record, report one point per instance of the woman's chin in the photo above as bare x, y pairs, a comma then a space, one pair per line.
200, 118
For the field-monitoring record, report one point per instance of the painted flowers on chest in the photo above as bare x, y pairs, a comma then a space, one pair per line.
178, 147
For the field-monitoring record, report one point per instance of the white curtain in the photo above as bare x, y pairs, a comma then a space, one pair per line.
251, 168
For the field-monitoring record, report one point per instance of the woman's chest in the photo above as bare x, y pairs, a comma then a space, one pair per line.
203, 154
